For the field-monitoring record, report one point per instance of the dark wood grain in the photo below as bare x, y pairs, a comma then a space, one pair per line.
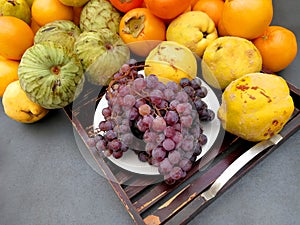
198, 203
147, 199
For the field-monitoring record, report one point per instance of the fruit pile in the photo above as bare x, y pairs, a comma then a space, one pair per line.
96, 33
160, 122
50, 48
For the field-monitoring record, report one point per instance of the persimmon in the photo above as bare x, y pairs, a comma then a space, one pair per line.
247, 18
277, 46
15, 37
167, 9
46, 11
213, 8
143, 5
126, 5
140, 26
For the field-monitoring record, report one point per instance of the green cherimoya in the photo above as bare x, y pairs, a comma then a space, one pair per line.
51, 75
102, 54
99, 14
64, 32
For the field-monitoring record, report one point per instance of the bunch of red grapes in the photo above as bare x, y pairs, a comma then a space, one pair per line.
160, 122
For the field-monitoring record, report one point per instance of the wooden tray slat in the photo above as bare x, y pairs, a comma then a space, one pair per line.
192, 190
199, 203
146, 198
106, 171
160, 191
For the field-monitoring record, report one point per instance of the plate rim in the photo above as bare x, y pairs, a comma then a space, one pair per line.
145, 166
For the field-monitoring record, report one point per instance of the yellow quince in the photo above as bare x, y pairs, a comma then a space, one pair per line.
194, 29
19, 107
256, 106
171, 61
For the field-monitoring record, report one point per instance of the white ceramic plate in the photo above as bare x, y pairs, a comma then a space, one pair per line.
129, 161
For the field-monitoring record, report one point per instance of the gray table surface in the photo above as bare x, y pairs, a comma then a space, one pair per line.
45, 180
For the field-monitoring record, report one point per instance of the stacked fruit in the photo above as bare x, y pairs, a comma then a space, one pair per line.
49, 53
49, 48
233, 39
101, 26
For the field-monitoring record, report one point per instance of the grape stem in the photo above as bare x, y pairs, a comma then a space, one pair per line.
113, 81
93, 133
157, 111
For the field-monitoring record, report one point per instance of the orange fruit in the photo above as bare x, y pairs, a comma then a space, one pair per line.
34, 26
8, 73
15, 37
213, 8
140, 24
167, 9
277, 46
46, 11
188, 9
168, 21
247, 18
143, 5
193, 2
221, 29
141, 27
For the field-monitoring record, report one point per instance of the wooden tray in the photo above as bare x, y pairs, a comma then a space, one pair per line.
146, 198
